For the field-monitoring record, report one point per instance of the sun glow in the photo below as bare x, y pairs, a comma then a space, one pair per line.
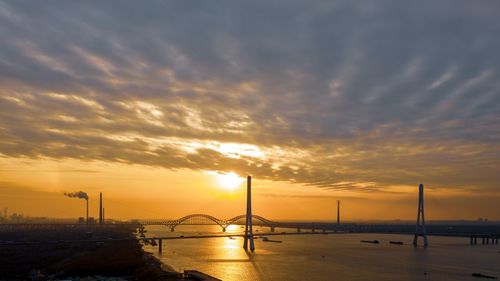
229, 181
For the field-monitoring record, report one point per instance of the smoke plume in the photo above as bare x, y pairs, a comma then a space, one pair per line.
79, 194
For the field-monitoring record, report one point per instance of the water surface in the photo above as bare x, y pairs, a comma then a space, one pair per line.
325, 257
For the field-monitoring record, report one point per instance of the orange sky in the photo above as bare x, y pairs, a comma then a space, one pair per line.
35, 188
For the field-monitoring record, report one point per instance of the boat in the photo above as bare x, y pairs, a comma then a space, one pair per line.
396, 242
475, 274
370, 241
266, 239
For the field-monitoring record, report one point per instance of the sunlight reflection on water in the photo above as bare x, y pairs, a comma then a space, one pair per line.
324, 257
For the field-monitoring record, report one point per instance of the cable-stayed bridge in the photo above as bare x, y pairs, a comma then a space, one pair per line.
451, 229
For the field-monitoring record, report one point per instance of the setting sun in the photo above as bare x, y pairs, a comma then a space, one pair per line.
229, 181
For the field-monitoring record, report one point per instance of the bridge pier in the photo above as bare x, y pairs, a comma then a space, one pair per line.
485, 239
298, 230
172, 228
224, 228
473, 240
272, 229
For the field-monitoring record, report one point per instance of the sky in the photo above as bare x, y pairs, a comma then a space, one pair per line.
167, 106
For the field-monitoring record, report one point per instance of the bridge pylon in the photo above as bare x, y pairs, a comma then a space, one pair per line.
420, 229
248, 222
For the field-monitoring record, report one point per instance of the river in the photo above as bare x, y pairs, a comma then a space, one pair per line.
324, 257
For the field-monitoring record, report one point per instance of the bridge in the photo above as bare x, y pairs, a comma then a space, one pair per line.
433, 229
451, 229
204, 219
486, 232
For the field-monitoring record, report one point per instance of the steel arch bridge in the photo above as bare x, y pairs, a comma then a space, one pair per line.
259, 219
204, 219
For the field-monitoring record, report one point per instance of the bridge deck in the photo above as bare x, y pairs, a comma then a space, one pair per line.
7, 243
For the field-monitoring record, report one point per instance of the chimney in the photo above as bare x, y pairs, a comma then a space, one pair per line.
87, 200
103, 215
338, 212
100, 208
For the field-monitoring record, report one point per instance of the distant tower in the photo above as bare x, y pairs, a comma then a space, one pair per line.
338, 212
100, 207
248, 223
420, 229
103, 217
87, 201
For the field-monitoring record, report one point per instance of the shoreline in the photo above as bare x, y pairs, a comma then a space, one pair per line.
52, 259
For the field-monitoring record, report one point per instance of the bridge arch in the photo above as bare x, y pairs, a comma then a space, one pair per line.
260, 218
187, 218
190, 219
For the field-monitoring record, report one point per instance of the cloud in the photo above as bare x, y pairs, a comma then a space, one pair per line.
339, 95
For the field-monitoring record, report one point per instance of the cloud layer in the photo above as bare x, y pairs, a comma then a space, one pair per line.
339, 95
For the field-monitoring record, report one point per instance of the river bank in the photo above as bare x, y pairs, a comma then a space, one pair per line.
51, 258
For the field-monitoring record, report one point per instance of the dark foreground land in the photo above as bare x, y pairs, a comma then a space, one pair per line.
52, 258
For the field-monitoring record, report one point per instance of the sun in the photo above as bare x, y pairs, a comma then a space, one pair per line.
229, 181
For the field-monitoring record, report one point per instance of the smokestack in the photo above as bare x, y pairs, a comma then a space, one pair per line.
103, 215
80, 195
100, 208
338, 212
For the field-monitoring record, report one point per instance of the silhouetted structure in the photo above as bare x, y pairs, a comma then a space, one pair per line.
203, 219
338, 212
248, 223
420, 229
100, 207
87, 200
